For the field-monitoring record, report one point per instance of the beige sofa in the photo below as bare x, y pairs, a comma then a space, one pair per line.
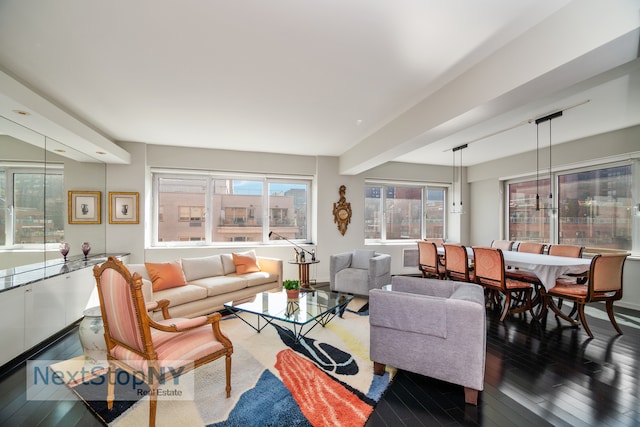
211, 282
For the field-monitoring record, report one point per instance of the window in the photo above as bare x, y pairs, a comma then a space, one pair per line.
212, 209
526, 223
288, 208
31, 205
401, 212
176, 197
593, 208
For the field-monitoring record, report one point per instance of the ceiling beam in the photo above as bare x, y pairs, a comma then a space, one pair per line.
53, 122
580, 41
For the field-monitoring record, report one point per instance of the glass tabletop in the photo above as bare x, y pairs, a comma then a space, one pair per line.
302, 310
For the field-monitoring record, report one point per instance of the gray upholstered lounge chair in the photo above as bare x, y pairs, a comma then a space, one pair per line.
431, 327
359, 271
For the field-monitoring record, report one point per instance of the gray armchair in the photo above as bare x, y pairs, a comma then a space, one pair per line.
359, 271
431, 327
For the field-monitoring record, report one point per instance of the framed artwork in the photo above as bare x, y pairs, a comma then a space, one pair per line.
123, 208
84, 207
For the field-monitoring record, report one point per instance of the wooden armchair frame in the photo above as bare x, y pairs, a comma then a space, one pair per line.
456, 261
429, 262
604, 283
116, 285
490, 273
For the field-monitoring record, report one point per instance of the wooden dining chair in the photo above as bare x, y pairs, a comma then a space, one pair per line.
571, 251
490, 273
604, 284
531, 247
505, 245
523, 275
428, 261
456, 263
438, 241
143, 347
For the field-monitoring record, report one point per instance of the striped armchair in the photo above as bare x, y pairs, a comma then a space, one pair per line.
143, 347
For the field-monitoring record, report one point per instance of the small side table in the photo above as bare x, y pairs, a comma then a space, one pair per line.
303, 274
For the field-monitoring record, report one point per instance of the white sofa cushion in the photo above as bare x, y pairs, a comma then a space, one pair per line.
256, 278
227, 263
181, 295
198, 268
220, 284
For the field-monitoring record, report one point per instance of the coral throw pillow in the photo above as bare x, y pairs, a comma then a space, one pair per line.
245, 262
166, 275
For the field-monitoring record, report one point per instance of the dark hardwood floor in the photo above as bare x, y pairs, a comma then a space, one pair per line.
534, 377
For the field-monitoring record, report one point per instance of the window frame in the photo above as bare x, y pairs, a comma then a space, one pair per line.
554, 220
208, 220
424, 186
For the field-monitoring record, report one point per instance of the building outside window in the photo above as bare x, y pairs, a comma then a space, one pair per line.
227, 209
31, 205
176, 197
404, 212
590, 207
526, 223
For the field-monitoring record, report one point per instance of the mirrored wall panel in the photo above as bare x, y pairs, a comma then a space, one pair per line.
36, 175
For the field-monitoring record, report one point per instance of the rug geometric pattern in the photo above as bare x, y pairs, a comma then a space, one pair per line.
325, 379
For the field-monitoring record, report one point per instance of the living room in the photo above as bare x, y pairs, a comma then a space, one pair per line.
488, 100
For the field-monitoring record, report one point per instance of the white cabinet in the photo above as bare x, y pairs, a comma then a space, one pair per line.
78, 290
45, 309
31, 313
12, 321
57, 302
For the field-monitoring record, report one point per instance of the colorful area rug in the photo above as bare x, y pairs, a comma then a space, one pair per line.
324, 380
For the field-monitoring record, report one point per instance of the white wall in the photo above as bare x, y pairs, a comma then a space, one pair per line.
478, 226
79, 176
129, 238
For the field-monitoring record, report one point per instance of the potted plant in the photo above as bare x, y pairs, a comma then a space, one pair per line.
292, 287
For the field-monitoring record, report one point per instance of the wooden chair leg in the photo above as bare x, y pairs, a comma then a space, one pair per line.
111, 387
378, 368
470, 396
505, 310
574, 310
559, 312
612, 318
153, 403
530, 304
583, 320
228, 372
543, 307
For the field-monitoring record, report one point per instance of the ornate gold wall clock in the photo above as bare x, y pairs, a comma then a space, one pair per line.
342, 211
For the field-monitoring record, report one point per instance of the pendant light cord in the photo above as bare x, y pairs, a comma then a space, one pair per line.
537, 167
460, 181
550, 187
453, 181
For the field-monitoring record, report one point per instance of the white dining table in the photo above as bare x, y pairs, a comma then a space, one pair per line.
548, 268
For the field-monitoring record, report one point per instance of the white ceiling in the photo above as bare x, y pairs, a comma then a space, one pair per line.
330, 78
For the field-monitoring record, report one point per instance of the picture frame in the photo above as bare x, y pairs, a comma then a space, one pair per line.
84, 207
123, 208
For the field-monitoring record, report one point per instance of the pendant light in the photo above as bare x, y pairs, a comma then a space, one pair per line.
546, 118
457, 176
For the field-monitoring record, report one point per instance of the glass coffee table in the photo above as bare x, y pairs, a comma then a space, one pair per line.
301, 314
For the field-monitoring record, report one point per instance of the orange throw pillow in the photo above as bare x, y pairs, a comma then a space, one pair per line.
166, 275
246, 262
